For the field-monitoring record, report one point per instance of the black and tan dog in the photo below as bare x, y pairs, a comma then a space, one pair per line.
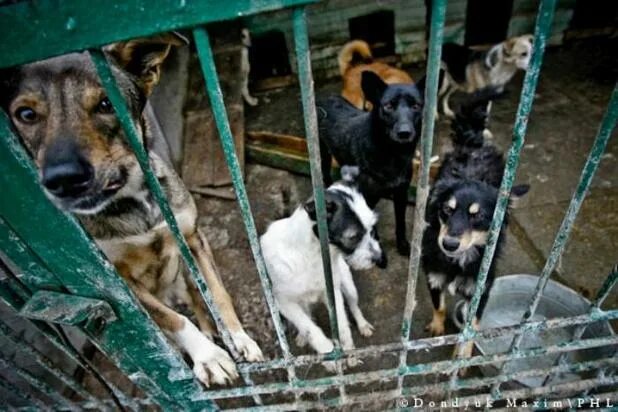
60, 110
460, 211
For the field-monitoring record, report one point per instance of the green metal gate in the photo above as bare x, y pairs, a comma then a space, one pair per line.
60, 276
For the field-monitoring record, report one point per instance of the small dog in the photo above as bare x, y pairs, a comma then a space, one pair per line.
469, 70
245, 67
459, 214
64, 118
354, 58
291, 250
381, 142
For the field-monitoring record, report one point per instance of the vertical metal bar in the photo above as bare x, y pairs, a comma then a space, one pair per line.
213, 88
122, 113
35, 382
602, 293
592, 163
438, 14
8, 334
305, 76
541, 34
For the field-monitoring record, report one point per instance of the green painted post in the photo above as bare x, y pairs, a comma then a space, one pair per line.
303, 59
438, 15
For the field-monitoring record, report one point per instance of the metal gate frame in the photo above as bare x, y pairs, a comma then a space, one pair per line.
63, 276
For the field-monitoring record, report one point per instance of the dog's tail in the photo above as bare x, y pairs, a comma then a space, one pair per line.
471, 118
353, 52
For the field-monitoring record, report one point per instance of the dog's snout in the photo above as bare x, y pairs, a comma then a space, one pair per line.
68, 179
381, 261
450, 244
65, 172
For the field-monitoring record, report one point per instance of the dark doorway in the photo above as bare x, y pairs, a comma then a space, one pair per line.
377, 29
594, 14
487, 21
269, 56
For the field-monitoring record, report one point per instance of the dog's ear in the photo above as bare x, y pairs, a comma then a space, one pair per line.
373, 87
143, 57
349, 174
331, 208
8, 82
517, 192
529, 37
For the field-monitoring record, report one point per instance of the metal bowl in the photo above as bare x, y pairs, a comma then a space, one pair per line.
508, 300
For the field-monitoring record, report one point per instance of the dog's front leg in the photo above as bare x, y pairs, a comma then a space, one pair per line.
400, 201
244, 344
308, 331
210, 362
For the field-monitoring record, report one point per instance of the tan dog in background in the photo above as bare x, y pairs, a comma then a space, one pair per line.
354, 58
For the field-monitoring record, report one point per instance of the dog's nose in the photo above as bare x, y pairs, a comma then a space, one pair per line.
68, 179
450, 244
381, 261
404, 135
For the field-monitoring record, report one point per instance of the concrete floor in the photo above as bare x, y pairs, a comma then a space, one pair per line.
574, 89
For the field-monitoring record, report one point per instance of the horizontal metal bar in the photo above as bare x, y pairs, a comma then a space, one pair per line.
34, 30
447, 366
36, 383
428, 343
26, 397
417, 391
45, 363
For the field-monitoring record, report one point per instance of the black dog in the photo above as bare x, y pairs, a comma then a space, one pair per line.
460, 211
381, 142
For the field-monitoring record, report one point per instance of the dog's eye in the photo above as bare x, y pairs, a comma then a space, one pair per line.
524, 54
105, 106
447, 210
417, 106
388, 106
26, 115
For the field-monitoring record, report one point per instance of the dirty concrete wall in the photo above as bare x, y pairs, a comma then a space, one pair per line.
328, 28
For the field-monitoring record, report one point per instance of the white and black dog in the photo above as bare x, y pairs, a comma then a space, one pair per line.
291, 249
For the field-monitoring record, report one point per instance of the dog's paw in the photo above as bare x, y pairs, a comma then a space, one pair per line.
300, 340
403, 247
247, 347
468, 347
435, 328
366, 329
214, 365
353, 361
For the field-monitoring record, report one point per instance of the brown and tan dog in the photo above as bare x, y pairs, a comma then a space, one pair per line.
60, 110
354, 58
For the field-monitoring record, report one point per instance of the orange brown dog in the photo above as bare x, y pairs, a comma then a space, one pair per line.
354, 58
